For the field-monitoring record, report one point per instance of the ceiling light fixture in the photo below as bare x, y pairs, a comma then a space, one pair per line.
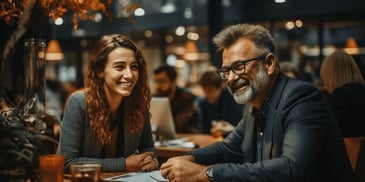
169, 7
280, 1
191, 51
54, 51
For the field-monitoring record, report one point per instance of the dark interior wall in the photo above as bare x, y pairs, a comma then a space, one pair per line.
260, 10
235, 11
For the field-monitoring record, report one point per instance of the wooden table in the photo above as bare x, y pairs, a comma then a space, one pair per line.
201, 140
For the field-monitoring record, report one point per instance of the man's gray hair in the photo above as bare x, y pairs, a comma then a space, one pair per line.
258, 34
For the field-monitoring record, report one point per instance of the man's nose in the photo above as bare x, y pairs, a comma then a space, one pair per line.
231, 76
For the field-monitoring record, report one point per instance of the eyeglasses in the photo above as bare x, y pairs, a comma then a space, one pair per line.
238, 67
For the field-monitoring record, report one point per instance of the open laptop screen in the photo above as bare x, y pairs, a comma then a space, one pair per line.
162, 121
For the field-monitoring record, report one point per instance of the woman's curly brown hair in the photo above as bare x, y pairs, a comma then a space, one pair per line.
136, 106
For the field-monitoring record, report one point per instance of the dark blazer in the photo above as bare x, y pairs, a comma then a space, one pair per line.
348, 104
78, 144
301, 141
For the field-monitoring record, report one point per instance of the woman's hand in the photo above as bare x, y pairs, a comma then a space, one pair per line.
141, 162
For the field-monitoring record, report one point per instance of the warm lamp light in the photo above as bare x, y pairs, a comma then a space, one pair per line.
191, 51
351, 43
54, 51
351, 46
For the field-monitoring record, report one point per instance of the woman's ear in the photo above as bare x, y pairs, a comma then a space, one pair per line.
100, 74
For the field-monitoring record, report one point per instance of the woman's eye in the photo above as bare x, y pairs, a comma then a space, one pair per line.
134, 67
119, 67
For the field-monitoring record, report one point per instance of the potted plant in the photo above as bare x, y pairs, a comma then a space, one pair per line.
23, 138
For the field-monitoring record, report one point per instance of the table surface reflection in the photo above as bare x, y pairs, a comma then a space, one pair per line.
67, 177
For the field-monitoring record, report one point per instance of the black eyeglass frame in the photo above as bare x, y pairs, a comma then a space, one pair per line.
224, 71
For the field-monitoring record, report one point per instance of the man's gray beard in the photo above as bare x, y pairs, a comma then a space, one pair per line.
255, 87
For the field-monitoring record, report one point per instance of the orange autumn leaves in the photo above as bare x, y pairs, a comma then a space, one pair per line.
11, 10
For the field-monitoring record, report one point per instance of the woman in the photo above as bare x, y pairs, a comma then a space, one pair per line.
343, 82
108, 121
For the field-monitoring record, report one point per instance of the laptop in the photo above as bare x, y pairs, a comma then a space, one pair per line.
162, 121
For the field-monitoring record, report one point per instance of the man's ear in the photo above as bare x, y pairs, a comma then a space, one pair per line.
270, 63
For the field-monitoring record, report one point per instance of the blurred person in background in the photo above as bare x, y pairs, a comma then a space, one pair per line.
109, 121
70, 87
219, 113
290, 69
53, 106
288, 132
343, 81
309, 71
182, 100
54, 92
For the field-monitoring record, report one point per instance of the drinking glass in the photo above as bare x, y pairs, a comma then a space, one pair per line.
51, 167
85, 171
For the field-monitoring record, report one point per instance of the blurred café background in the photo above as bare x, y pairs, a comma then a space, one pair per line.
179, 33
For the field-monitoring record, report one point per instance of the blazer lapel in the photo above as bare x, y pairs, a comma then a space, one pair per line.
273, 131
249, 141
130, 140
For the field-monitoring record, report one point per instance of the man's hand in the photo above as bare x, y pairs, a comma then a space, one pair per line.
179, 169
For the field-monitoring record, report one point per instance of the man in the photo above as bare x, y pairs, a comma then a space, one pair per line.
182, 101
219, 113
287, 132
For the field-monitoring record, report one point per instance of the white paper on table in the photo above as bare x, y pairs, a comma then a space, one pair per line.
176, 143
151, 176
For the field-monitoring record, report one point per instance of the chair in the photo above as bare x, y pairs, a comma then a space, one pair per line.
356, 152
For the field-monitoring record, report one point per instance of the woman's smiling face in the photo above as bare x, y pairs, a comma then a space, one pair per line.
121, 72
